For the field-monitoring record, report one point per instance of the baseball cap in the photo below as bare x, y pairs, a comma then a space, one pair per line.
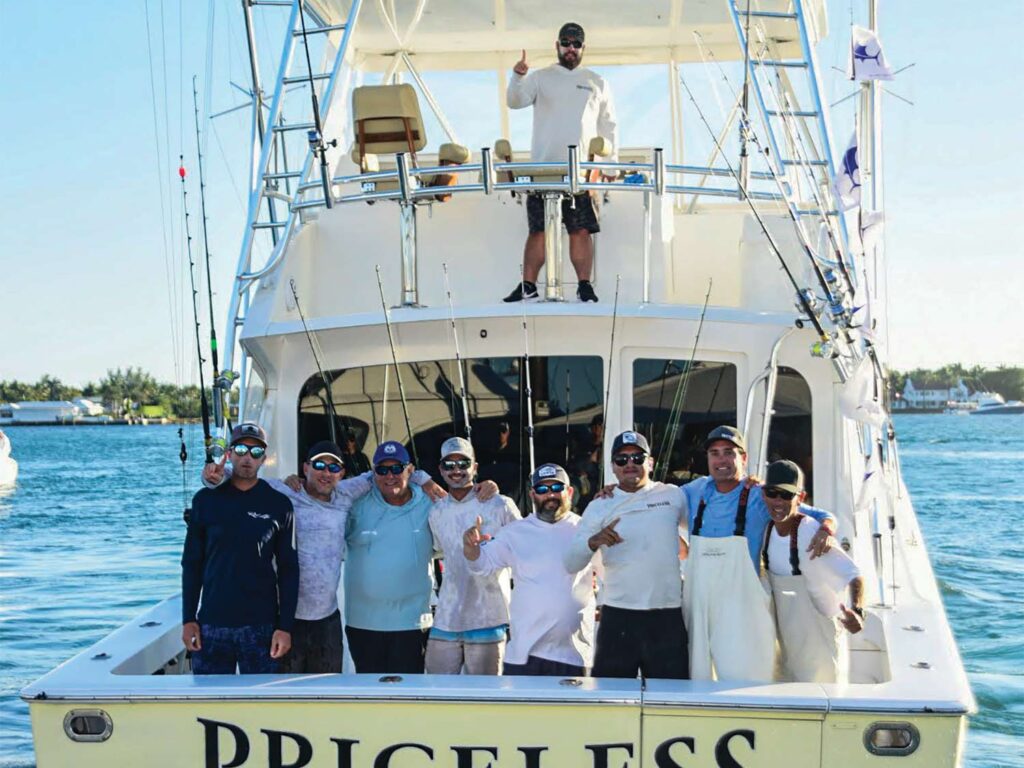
727, 433
324, 448
547, 473
248, 429
390, 449
630, 438
784, 475
457, 445
571, 30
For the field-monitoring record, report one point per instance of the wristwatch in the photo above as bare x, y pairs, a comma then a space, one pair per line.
859, 612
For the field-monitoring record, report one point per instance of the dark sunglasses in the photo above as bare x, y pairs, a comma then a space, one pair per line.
255, 451
541, 490
320, 465
450, 464
778, 493
567, 43
389, 469
622, 459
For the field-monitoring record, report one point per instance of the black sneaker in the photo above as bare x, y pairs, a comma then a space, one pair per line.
585, 291
525, 291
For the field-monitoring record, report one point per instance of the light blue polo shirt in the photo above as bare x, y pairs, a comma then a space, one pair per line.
387, 571
720, 513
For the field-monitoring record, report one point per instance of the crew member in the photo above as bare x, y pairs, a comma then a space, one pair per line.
239, 559
552, 611
637, 530
809, 612
471, 619
387, 574
571, 105
727, 611
322, 502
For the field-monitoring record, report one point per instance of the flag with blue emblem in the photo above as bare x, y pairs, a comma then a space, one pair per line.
867, 60
847, 180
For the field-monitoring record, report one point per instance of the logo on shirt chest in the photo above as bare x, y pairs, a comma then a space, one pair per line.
258, 515
584, 87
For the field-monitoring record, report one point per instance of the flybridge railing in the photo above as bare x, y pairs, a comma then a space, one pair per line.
408, 185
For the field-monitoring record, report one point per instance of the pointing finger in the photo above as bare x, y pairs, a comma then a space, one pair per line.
523, 57
479, 521
612, 524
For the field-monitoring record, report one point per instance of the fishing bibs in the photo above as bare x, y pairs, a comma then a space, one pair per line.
727, 611
809, 641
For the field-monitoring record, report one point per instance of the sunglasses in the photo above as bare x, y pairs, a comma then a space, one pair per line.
389, 469
450, 464
778, 493
567, 43
256, 451
541, 490
320, 465
622, 459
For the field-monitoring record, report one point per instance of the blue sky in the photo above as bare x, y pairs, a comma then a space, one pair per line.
84, 272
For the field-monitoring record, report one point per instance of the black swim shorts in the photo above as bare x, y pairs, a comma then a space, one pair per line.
575, 218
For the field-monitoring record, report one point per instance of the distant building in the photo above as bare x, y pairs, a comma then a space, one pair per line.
930, 399
43, 411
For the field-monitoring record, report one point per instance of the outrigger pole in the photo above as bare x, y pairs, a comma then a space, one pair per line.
398, 372
458, 354
216, 448
205, 405
316, 359
611, 353
316, 136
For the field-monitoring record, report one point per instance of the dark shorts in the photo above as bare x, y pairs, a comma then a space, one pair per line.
652, 642
379, 652
538, 667
318, 647
582, 216
224, 648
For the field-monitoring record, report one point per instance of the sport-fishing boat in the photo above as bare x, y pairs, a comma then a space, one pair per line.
8, 466
735, 289
996, 405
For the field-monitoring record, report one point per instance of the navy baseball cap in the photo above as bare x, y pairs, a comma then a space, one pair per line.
248, 429
324, 448
549, 473
571, 30
391, 449
727, 433
630, 438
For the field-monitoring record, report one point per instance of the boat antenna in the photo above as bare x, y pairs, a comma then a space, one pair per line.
328, 383
217, 446
398, 372
803, 296
204, 403
317, 145
611, 352
669, 439
458, 354
526, 379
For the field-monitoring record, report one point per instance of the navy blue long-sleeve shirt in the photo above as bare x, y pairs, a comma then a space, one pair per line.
240, 556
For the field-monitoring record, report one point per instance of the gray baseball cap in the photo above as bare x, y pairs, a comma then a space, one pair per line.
459, 445
630, 437
784, 475
248, 429
549, 473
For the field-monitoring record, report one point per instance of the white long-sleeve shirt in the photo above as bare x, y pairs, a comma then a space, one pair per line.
642, 572
552, 611
467, 600
570, 106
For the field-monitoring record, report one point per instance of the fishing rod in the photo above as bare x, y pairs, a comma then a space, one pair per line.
204, 403
669, 438
529, 388
328, 384
458, 354
804, 296
568, 410
745, 101
837, 311
217, 446
611, 353
317, 145
398, 372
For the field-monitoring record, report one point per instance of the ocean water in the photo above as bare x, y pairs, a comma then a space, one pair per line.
92, 534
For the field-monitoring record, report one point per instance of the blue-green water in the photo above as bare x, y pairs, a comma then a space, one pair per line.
92, 534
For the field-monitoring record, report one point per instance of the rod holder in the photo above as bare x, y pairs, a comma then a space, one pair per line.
404, 184
487, 170
574, 170
553, 246
659, 171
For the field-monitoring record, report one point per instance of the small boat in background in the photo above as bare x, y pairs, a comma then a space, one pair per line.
996, 404
8, 466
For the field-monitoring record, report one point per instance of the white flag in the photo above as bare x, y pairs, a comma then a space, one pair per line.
867, 60
857, 397
872, 487
871, 223
847, 180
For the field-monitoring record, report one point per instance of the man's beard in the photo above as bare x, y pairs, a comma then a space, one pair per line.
550, 513
570, 64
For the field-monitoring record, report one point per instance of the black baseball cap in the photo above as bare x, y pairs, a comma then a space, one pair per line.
784, 475
571, 30
324, 448
630, 438
727, 433
249, 429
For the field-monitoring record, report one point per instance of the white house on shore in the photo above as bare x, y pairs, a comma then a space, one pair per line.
931, 399
50, 411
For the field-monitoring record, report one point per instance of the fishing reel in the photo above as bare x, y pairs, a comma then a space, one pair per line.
825, 350
317, 142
